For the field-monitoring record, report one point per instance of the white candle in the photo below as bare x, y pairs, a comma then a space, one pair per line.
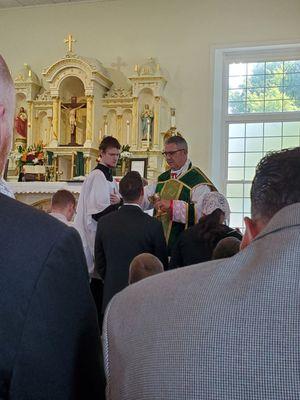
127, 131
105, 129
148, 133
100, 134
173, 121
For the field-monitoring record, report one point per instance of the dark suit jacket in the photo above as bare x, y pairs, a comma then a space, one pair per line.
49, 339
191, 249
120, 237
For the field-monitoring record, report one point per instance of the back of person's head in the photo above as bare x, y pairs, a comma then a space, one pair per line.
131, 187
215, 201
109, 142
276, 183
179, 141
7, 108
64, 202
143, 266
226, 247
215, 209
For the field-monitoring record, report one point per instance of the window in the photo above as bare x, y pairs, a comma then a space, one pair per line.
260, 112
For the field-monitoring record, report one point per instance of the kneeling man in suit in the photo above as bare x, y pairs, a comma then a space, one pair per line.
123, 234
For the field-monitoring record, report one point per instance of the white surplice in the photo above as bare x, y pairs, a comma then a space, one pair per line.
94, 198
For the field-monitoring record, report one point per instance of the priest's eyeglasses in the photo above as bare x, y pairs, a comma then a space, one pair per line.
170, 153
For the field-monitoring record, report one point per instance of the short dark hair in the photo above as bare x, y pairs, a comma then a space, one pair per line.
276, 183
226, 247
131, 186
143, 266
62, 198
178, 140
109, 142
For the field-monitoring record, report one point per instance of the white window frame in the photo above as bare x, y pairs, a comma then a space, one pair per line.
222, 57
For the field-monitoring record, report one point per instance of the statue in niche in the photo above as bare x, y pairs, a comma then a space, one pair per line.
72, 108
21, 123
147, 122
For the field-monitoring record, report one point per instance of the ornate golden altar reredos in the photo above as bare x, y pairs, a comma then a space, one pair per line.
82, 101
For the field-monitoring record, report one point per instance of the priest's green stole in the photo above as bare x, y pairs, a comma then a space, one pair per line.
179, 189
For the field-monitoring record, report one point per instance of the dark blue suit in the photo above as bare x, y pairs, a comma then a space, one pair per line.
49, 339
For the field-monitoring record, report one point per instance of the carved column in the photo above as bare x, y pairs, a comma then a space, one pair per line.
55, 122
155, 139
119, 127
89, 121
29, 123
135, 125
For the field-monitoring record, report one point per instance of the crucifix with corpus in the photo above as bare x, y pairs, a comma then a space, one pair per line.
72, 108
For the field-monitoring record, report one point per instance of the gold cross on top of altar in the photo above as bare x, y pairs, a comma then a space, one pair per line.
70, 40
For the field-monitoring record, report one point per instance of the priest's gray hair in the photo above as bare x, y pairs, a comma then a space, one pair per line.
179, 141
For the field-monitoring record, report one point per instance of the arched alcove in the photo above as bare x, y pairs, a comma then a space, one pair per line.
72, 97
146, 99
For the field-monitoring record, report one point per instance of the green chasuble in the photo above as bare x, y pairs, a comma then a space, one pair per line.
179, 189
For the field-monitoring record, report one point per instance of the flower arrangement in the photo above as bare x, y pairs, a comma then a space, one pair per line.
32, 155
125, 153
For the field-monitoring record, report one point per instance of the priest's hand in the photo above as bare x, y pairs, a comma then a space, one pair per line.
162, 205
114, 198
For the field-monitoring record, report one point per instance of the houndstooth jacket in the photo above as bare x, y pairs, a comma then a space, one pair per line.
226, 329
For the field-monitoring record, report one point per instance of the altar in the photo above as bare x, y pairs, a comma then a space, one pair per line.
38, 194
61, 119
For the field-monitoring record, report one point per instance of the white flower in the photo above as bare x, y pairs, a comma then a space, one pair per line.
35, 161
125, 154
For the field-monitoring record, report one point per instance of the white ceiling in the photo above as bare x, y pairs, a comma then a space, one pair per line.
26, 3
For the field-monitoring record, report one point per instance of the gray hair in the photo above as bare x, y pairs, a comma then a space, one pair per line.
179, 141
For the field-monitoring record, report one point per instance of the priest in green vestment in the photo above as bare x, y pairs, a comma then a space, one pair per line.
178, 193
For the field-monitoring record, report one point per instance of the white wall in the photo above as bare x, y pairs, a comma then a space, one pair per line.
181, 34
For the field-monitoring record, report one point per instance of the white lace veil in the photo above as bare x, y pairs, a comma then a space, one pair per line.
214, 200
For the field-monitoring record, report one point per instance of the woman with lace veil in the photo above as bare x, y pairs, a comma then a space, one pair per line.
196, 244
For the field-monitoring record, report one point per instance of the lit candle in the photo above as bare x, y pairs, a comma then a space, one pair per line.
105, 129
127, 131
100, 134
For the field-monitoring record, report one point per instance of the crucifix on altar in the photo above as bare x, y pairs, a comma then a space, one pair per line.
71, 109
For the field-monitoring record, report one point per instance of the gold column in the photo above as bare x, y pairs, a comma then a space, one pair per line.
155, 139
55, 120
135, 125
29, 123
89, 118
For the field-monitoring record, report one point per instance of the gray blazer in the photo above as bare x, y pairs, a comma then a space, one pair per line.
226, 329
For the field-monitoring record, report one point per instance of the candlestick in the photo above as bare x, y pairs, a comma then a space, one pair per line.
127, 131
173, 121
148, 132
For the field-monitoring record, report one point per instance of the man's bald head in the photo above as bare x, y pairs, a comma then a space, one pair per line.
7, 108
